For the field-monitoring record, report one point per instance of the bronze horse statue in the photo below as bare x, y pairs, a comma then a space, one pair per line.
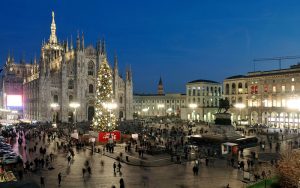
223, 104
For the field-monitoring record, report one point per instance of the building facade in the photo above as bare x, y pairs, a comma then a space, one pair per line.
236, 91
11, 89
159, 104
202, 100
270, 98
64, 74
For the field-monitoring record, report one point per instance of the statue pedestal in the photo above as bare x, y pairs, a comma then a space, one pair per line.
223, 119
223, 126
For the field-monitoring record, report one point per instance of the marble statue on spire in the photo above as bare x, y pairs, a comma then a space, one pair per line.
53, 38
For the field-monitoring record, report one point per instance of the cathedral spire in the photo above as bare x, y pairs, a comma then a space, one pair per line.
103, 50
82, 41
67, 45
71, 45
78, 41
116, 62
98, 46
53, 38
160, 88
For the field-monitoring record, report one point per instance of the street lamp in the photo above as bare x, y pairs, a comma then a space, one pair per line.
193, 106
54, 107
240, 106
75, 105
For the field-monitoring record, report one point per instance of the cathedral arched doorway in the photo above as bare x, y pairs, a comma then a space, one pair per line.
90, 112
70, 117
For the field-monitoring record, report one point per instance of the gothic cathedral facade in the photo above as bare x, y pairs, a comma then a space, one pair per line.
64, 75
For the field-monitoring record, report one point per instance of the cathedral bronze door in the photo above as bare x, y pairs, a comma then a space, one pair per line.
91, 112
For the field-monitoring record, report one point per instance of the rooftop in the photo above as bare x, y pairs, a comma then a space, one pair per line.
236, 76
201, 80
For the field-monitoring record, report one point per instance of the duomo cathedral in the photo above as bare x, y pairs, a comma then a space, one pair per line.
65, 74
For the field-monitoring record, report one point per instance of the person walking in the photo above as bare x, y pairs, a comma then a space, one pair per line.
114, 166
42, 181
122, 184
59, 178
83, 172
119, 167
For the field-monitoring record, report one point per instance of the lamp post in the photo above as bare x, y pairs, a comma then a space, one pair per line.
193, 106
75, 105
240, 106
54, 107
145, 110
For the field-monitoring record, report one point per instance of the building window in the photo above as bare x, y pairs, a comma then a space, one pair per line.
283, 102
190, 92
283, 89
274, 89
233, 100
254, 89
293, 79
233, 89
240, 99
55, 98
266, 88
292, 88
227, 89
70, 84
91, 68
274, 103
70, 98
91, 88
121, 100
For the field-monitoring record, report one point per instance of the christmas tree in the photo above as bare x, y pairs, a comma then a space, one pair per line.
104, 119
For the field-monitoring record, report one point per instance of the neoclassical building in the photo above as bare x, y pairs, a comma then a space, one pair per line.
202, 100
64, 74
270, 97
199, 103
159, 104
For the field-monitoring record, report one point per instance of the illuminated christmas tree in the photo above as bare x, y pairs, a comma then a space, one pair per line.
104, 119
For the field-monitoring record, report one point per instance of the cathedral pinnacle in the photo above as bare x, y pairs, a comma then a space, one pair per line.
116, 62
53, 38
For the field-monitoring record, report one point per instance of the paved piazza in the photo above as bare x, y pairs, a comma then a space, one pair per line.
166, 175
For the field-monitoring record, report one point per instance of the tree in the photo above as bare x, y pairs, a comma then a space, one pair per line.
104, 119
289, 169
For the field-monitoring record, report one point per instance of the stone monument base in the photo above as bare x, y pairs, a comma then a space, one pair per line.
223, 119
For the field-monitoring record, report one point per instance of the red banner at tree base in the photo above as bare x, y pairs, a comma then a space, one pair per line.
104, 136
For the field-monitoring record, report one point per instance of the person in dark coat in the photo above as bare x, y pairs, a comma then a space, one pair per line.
122, 184
59, 178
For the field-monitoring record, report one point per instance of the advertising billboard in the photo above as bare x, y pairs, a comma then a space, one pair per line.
14, 101
104, 136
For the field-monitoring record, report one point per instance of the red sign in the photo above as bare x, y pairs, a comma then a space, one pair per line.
104, 136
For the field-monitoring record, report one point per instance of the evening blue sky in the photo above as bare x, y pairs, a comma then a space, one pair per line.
178, 40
